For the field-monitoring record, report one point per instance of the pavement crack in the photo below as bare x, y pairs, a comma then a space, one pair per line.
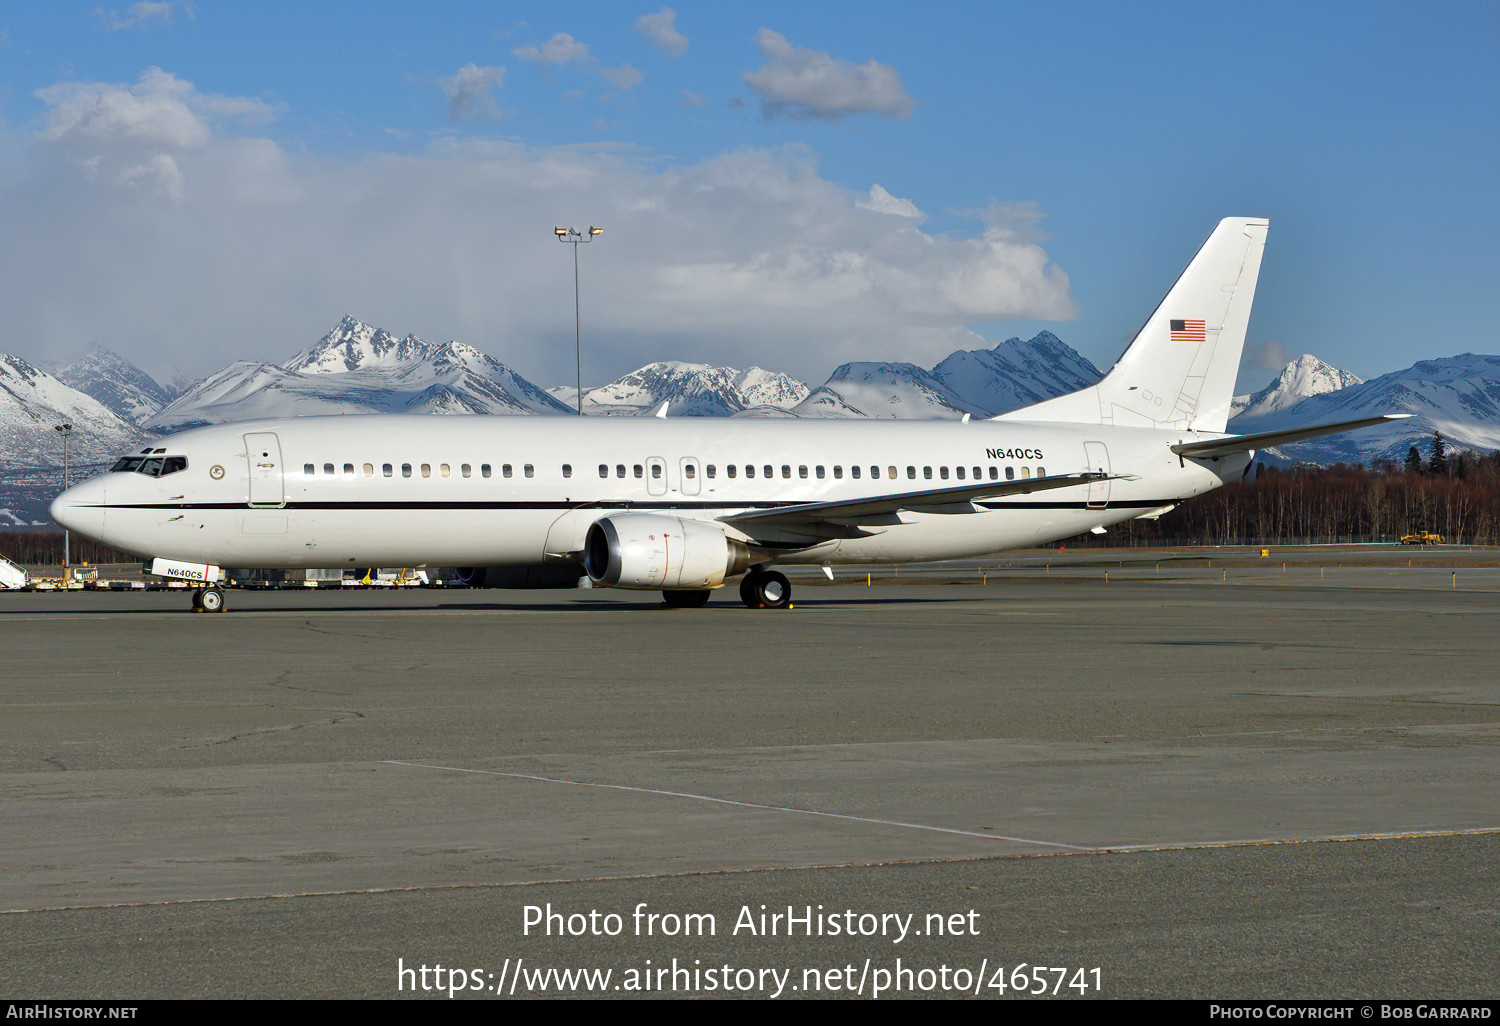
338, 718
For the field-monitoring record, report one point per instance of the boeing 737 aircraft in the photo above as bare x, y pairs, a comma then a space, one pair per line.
682, 506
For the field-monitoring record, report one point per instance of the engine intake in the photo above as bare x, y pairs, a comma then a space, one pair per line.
653, 552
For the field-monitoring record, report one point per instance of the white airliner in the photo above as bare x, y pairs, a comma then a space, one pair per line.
680, 506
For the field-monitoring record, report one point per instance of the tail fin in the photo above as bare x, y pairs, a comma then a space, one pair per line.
1179, 370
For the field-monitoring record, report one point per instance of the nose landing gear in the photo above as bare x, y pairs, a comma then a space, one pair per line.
208, 600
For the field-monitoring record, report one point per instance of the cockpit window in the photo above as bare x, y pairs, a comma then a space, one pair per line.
151, 466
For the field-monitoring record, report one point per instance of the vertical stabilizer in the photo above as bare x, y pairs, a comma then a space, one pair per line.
1179, 370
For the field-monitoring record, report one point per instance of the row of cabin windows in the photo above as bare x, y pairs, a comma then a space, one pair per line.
424, 470
690, 471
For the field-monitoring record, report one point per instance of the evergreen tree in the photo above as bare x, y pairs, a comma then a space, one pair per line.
1438, 464
1413, 461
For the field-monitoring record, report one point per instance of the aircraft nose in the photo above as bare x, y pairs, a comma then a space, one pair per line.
81, 508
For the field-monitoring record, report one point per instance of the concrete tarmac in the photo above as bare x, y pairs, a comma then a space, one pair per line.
1177, 783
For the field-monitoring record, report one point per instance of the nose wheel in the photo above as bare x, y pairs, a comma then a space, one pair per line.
766, 589
208, 600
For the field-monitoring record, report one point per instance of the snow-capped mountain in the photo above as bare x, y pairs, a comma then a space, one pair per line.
1458, 396
979, 382
692, 390
353, 345
32, 404
1305, 376
356, 368
131, 393
1016, 373
884, 390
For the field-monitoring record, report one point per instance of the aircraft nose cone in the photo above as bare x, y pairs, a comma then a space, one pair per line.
81, 509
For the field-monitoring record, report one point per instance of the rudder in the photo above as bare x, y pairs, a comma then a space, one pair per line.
1179, 370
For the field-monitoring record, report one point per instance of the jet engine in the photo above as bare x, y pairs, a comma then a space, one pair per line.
654, 552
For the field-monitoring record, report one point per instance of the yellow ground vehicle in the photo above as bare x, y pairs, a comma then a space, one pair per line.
1422, 538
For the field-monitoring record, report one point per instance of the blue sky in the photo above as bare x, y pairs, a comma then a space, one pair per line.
788, 185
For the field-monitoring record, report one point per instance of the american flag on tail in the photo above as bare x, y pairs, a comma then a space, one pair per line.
1189, 331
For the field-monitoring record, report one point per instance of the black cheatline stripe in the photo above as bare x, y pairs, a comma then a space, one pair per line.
378, 507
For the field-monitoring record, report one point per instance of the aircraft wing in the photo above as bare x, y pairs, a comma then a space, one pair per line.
839, 517
1217, 447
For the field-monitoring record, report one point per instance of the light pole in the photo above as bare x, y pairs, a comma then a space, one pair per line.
65, 430
575, 237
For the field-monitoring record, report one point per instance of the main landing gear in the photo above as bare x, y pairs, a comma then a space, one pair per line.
208, 600
765, 589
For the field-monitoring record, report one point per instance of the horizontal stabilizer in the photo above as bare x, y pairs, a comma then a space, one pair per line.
1216, 447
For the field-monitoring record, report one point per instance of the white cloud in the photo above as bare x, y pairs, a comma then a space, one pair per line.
883, 202
803, 83
624, 77
468, 93
560, 49
160, 109
166, 236
692, 99
141, 14
660, 31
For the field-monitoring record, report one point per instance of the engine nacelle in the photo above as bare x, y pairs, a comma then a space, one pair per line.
551, 575
654, 552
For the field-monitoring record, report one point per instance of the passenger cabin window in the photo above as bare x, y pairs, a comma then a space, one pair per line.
328, 469
1010, 473
730, 470
427, 470
406, 470
802, 472
530, 470
567, 470
749, 470
709, 471
1025, 473
484, 470
838, 473
444, 470
656, 471
604, 470
369, 469
786, 470
466, 470
911, 473
639, 473
386, 469
853, 472
619, 470
690, 472
307, 468
348, 470
505, 470
875, 472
